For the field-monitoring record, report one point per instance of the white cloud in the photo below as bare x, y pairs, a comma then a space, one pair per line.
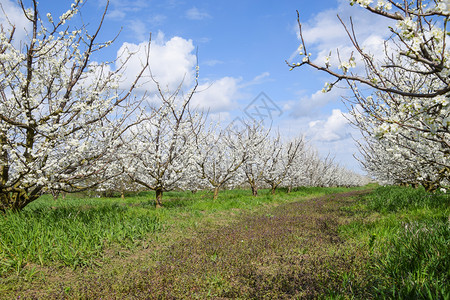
116, 14
330, 135
308, 105
217, 96
125, 6
213, 62
335, 127
172, 62
196, 14
157, 19
324, 33
261, 76
13, 15
221, 95
139, 30
126, 12
326, 30
258, 79
203, 40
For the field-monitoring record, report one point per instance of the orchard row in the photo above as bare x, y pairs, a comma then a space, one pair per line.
70, 124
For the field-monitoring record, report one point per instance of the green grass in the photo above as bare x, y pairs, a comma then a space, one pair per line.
392, 243
74, 236
407, 232
76, 231
393, 199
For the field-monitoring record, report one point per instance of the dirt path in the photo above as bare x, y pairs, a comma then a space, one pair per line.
290, 251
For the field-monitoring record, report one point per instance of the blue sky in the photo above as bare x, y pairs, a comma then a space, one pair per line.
242, 48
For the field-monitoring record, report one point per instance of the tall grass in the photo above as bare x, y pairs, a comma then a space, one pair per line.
415, 262
394, 199
73, 235
408, 233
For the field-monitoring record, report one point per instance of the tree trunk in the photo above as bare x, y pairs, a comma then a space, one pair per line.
122, 195
254, 190
216, 192
272, 191
16, 200
55, 195
159, 195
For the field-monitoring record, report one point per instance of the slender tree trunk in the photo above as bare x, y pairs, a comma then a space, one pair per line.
4, 167
159, 195
289, 189
272, 191
122, 195
254, 190
216, 192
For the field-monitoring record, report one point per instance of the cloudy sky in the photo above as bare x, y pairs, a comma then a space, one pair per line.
242, 47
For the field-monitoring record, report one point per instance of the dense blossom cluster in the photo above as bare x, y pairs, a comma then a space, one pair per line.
406, 118
61, 115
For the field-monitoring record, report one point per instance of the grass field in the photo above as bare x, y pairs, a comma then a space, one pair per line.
312, 242
407, 233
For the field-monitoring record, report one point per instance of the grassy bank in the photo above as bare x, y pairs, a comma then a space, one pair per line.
407, 233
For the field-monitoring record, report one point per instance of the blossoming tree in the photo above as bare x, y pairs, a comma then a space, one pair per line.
254, 167
280, 161
60, 113
221, 154
162, 147
407, 111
